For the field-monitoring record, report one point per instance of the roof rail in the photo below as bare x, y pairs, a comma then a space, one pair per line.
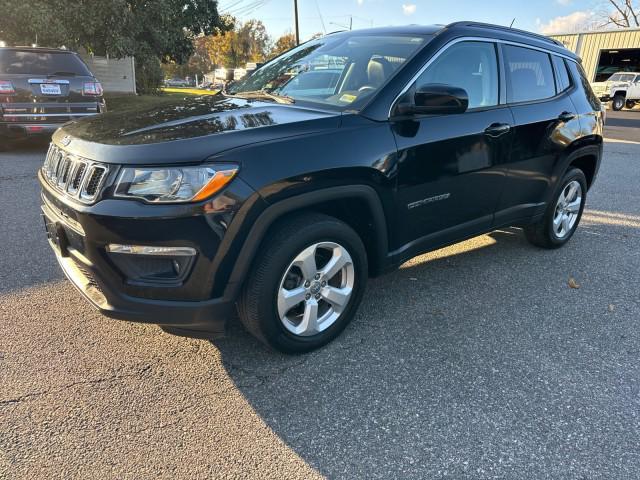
506, 29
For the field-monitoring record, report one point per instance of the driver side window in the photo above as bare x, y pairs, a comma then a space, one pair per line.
472, 66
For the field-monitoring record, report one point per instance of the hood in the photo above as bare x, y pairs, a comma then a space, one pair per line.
195, 127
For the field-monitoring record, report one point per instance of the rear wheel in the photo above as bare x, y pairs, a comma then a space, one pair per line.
630, 104
618, 102
306, 283
563, 213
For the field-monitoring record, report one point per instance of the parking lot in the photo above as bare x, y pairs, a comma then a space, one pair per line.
474, 361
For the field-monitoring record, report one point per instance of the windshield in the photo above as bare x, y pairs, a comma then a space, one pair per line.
41, 63
335, 70
621, 77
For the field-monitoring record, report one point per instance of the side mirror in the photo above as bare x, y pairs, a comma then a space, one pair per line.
436, 98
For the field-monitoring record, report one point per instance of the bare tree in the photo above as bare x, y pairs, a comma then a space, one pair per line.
625, 14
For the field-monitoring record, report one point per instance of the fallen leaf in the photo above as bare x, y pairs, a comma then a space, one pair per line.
573, 283
612, 307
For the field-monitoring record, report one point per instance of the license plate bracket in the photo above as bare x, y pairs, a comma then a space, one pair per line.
50, 89
56, 236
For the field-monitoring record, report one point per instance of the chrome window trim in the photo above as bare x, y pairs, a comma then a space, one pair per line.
468, 39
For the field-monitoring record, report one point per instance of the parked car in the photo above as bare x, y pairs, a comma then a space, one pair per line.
176, 83
284, 205
42, 88
622, 89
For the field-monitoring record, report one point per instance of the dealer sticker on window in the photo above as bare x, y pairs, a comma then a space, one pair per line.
346, 98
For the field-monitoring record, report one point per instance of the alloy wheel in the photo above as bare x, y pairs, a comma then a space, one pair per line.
315, 289
567, 209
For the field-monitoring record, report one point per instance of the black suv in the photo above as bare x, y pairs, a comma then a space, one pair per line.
339, 160
42, 88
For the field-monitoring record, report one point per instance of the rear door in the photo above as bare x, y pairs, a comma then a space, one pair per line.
546, 122
451, 167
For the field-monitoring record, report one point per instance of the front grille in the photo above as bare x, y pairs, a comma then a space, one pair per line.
74, 176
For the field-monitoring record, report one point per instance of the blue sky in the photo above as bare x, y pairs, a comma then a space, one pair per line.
547, 16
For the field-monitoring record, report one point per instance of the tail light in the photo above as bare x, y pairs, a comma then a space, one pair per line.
92, 89
6, 87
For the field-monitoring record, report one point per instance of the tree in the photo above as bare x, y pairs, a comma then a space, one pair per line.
151, 31
284, 43
248, 42
624, 14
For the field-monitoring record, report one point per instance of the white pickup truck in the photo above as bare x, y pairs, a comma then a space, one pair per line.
622, 89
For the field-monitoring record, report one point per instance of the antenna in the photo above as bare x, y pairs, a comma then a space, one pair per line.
512, 22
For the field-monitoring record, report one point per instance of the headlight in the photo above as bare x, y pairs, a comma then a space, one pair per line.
173, 184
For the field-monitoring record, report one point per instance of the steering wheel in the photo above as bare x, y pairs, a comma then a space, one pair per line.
366, 88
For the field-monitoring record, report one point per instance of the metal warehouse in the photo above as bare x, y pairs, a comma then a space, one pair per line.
605, 52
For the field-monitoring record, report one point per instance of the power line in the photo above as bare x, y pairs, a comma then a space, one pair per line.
324, 29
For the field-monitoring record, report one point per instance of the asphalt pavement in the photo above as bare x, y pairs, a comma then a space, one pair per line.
474, 361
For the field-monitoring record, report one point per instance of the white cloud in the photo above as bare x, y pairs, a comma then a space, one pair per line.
359, 2
573, 22
409, 8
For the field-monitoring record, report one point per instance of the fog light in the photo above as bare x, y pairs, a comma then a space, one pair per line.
154, 251
152, 265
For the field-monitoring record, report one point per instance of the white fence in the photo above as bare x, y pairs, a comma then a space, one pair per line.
116, 75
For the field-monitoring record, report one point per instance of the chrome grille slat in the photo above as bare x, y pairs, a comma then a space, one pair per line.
75, 177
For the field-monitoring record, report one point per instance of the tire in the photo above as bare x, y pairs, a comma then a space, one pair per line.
630, 104
279, 270
547, 232
618, 102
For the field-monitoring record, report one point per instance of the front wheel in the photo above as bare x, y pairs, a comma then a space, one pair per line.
306, 283
563, 213
618, 103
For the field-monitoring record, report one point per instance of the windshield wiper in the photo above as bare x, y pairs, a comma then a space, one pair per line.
263, 94
61, 74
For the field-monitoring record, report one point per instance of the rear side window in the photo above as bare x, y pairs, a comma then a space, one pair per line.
579, 74
469, 65
529, 74
41, 63
564, 81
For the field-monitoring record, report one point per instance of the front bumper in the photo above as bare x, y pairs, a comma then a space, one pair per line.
179, 316
199, 305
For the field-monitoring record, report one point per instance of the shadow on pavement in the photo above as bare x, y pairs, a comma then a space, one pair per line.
446, 355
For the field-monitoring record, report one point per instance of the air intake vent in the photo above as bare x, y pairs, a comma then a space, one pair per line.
92, 184
76, 177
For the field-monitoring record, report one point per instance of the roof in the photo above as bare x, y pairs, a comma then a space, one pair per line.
595, 32
470, 28
396, 30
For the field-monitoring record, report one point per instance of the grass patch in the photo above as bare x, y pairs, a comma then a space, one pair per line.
123, 103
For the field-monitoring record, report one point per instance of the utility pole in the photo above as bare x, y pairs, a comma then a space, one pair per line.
295, 19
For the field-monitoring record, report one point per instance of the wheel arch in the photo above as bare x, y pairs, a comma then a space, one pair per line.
331, 201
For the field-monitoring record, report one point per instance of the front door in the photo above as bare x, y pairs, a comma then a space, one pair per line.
451, 166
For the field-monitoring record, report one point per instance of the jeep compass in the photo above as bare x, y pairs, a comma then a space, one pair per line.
336, 161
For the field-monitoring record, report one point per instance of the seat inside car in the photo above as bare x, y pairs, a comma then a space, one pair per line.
378, 70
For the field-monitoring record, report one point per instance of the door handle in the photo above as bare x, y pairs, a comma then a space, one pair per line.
566, 116
497, 129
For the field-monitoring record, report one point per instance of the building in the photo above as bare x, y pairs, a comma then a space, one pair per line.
605, 52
